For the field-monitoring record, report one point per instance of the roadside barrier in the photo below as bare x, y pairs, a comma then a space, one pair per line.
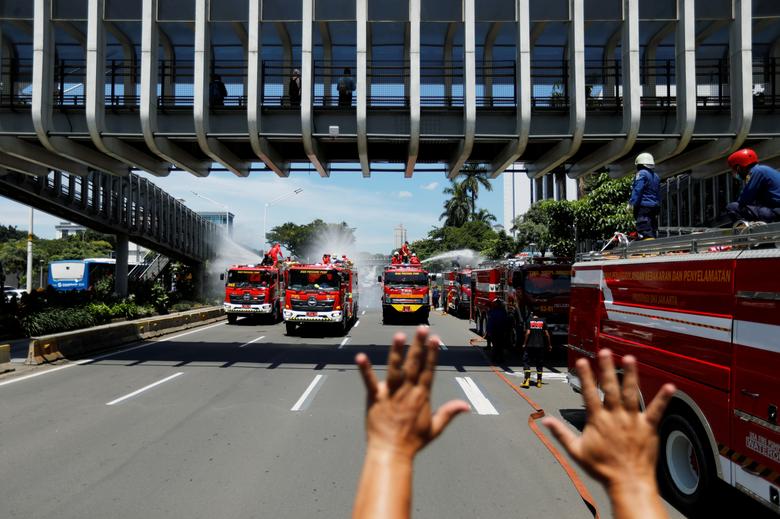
538, 414
81, 343
5, 359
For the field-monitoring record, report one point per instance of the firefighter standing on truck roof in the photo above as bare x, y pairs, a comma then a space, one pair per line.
760, 196
405, 252
274, 254
537, 341
645, 201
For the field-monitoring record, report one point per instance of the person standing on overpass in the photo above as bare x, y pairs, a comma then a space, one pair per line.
645, 201
760, 196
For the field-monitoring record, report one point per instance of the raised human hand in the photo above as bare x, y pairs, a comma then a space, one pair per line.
398, 414
619, 444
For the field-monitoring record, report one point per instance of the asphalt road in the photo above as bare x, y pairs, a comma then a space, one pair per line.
242, 421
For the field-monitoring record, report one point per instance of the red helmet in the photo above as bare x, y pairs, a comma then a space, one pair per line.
743, 158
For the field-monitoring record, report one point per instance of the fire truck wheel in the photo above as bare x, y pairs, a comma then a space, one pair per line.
232, 318
482, 325
685, 469
290, 328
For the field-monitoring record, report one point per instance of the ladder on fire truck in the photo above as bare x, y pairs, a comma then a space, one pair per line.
748, 235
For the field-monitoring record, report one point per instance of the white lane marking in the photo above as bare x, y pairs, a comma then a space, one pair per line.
357, 323
346, 339
363, 312
479, 401
101, 357
253, 341
301, 401
145, 388
442, 345
187, 333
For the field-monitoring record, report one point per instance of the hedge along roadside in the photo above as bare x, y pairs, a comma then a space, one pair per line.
81, 343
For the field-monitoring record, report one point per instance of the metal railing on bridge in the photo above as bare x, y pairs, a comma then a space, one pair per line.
129, 205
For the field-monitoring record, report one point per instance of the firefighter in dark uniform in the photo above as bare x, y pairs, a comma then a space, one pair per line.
537, 342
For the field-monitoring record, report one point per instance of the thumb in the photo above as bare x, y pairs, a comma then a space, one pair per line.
445, 414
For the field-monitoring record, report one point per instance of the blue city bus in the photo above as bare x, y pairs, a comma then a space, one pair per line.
65, 275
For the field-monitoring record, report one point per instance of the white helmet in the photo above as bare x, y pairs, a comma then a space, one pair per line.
645, 159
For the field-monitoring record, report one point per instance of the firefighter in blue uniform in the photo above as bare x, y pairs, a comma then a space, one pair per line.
645, 199
760, 196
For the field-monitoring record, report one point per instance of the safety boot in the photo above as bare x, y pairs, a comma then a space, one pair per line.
527, 382
538, 379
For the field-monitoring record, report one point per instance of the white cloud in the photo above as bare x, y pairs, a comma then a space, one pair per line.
430, 186
404, 194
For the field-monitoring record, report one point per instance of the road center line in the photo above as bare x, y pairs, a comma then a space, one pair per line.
346, 339
253, 341
363, 312
145, 388
357, 323
479, 401
304, 397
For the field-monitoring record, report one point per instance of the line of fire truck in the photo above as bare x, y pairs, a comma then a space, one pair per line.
523, 284
300, 294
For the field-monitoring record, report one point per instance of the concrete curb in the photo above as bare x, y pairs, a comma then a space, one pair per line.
5, 359
82, 343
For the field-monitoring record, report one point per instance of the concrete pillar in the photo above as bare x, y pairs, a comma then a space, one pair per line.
199, 279
120, 275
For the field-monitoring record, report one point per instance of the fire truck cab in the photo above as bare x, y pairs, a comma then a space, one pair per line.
488, 284
542, 285
458, 292
253, 290
709, 322
321, 293
405, 292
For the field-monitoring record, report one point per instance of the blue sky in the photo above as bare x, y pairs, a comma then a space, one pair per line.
374, 206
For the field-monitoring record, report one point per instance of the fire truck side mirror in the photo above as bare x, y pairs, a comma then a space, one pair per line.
222, 277
379, 279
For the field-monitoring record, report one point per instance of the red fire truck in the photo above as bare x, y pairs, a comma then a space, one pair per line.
458, 291
487, 285
710, 323
253, 290
320, 293
405, 292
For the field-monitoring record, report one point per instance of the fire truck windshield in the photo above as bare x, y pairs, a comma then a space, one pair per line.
313, 280
249, 278
547, 282
414, 279
464, 279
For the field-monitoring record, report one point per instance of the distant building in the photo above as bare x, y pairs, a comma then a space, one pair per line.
399, 236
520, 192
65, 229
221, 218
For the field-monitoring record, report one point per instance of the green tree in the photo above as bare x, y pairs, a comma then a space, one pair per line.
602, 212
300, 240
458, 207
484, 216
500, 247
8, 233
474, 177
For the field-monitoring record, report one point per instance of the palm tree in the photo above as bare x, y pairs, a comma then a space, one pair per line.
458, 207
474, 177
484, 216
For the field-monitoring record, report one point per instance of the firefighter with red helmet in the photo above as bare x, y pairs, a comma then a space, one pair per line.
760, 196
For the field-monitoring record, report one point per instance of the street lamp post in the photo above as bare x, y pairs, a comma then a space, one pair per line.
227, 211
272, 202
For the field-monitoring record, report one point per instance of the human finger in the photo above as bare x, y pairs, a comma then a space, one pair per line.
590, 394
367, 372
431, 354
444, 415
630, 384
655, 410
564, 435
395, 360
415, 357
608, 379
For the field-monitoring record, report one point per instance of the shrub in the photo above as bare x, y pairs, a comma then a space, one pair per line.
57, 320
101, 312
